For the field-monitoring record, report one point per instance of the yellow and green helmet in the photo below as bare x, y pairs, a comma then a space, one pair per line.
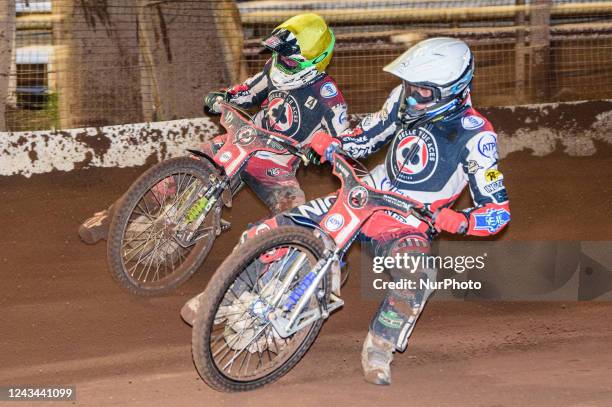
303, 41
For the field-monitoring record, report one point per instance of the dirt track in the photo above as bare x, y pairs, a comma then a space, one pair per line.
64, 320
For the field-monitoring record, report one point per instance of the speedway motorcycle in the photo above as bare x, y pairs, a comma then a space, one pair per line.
265, 305
166, 223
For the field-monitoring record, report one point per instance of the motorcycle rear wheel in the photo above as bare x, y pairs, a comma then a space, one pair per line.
142, 226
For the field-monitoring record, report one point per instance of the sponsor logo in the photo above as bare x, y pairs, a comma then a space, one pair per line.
492, 220
282, 113
225, 157
310, 102
501, 196
397, 203
334, 222
342, 117
328, 90
487, 145
472, 122
262, 229
228, 116
473, 167
390, 319
245, 135
358, 197
492, 175
315, 208
273, 172
273, 42
494, 186
415, 156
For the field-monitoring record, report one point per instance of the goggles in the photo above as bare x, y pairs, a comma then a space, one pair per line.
414, 94
294, 64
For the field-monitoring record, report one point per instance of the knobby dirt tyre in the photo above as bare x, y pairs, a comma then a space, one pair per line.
221, 282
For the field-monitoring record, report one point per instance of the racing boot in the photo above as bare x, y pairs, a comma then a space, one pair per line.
94, 229
376, 357
190, 309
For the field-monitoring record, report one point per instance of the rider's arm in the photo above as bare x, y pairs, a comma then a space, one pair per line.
335, 120
251, 92
374, 130
491, 211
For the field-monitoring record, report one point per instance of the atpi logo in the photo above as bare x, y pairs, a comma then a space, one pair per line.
228, 116
334, 222
357, 197
487, 145
492, 220
262, 229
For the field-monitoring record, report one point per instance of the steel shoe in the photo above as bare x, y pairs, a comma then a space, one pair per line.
376, 357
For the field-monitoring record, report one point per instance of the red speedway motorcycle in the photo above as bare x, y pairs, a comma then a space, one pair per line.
165, 225
265, 305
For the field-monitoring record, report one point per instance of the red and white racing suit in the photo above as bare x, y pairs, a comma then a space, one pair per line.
296, 111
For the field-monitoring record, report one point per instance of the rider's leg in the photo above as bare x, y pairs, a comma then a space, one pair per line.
275, 184
396, 317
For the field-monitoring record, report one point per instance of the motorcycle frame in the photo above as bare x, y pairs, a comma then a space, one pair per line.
342, 237
246, 140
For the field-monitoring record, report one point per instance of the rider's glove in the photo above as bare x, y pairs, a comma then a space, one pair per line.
324, 145
313, 157
211, 101
450, 221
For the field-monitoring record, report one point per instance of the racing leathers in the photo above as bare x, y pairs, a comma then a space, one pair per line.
430, 160
297, 106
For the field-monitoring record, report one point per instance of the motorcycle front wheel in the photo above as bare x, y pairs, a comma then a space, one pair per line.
234, 346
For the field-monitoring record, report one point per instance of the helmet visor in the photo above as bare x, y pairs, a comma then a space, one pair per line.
282, 42
292, 63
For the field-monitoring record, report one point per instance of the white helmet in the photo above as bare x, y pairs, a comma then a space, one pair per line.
443, 65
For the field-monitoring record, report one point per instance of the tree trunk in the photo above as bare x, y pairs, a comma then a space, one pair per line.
97, 56
187, 49
7, 39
